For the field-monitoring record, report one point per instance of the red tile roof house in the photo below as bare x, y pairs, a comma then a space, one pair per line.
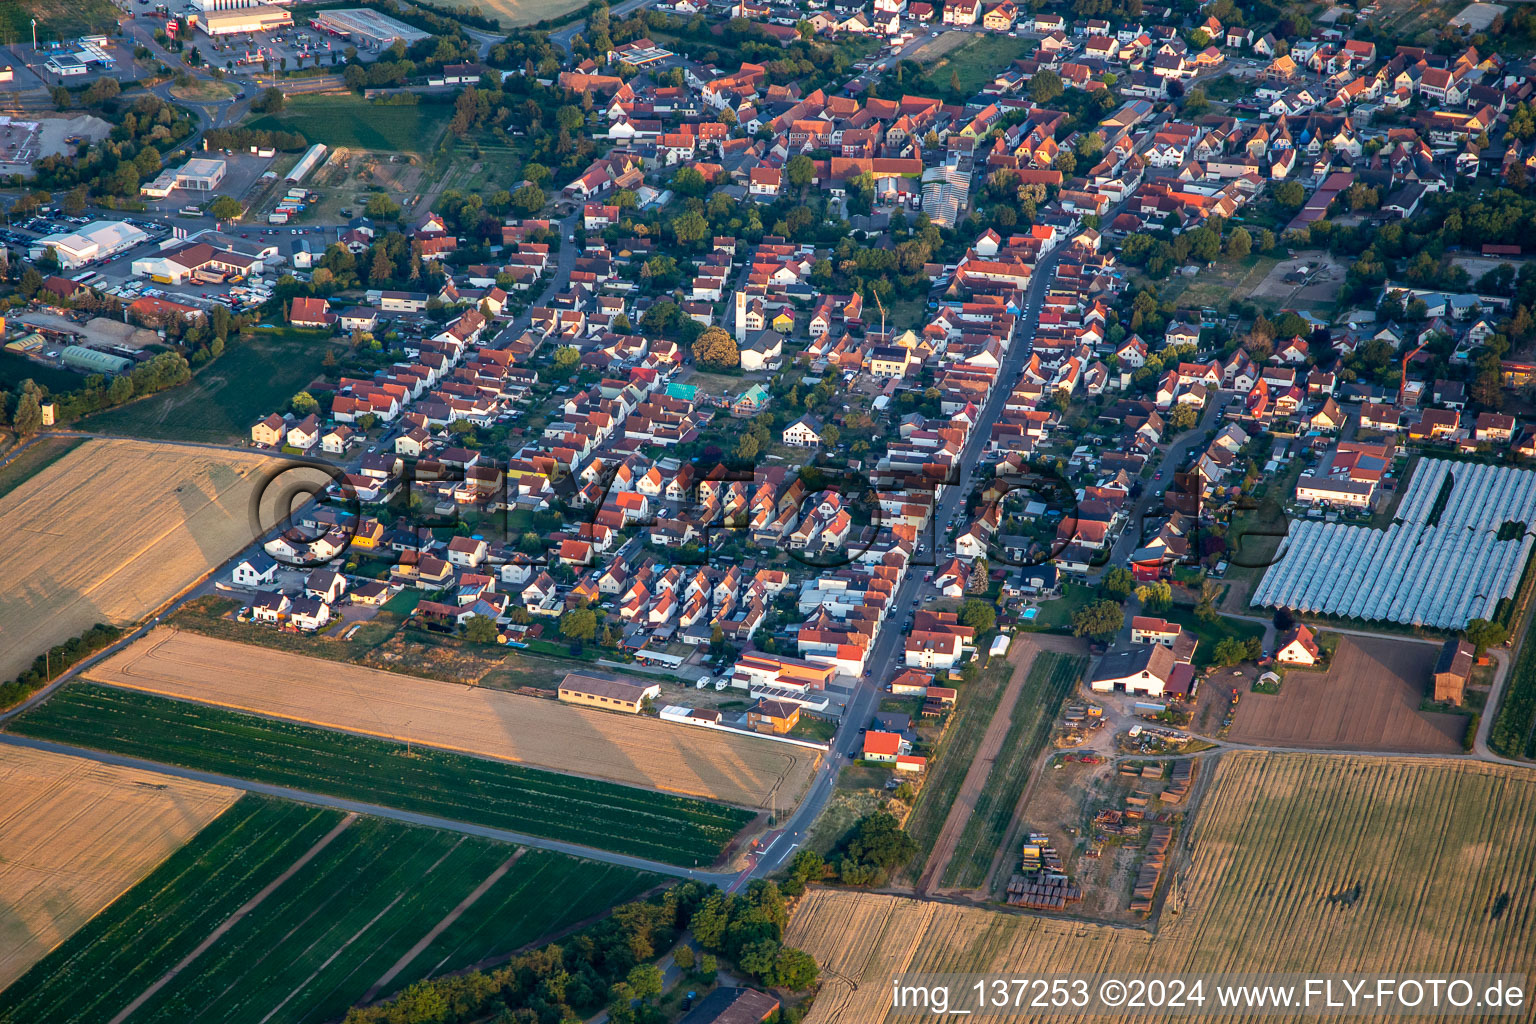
307, 311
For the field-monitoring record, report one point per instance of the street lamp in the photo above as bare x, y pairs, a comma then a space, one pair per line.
34, 35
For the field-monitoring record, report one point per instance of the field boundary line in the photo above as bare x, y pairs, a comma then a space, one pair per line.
235, 918
441, 926
980, 770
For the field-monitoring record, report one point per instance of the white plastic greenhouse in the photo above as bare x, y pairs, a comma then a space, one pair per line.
1440, 576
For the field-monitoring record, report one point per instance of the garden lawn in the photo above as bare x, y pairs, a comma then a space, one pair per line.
255, 376
589, 812
353, 122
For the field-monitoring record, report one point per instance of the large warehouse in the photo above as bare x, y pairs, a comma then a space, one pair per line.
95, 241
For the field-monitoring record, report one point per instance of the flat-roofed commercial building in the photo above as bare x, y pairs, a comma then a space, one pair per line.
95, 241
244, 20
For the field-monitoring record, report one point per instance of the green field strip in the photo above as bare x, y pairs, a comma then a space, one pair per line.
589, 812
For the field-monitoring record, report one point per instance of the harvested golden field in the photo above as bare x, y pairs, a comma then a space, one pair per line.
632, 749
74, 835
111, 531
1296, 862
512, 13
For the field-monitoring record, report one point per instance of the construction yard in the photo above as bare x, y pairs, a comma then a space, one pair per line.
1367, 699
75, 835
111, 531
1294, 862
632, 749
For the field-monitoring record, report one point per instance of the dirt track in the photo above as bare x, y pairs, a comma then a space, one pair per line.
1367, 700
1022, 656
633, 749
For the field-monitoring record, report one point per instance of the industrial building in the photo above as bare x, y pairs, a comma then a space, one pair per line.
89, 360
364, 27
196, 261
97, 240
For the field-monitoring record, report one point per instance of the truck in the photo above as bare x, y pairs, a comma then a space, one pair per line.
277, 218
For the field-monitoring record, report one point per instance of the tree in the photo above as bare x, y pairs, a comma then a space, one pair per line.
1239, 243
1182, 416
1290, 195
270, 101
480, 629
799, 170
1157, 597
1101, 620
683, 957
977, 614
355, 77
225, 208
566, 358
644, 981
690, 227
28, 418
381, 207
1118, 583
877, 847
715, 349
979, 580
303, 404
529, 199
1045, 86
795, 969
830, 435
747, 447
579, 624
1482, 634
1229, 651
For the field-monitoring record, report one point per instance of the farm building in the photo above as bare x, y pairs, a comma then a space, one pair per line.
1145, 671
601, 692
1452, 670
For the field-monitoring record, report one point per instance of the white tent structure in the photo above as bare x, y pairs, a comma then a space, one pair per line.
1439, 575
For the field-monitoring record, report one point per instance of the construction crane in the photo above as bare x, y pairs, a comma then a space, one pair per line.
1402, 383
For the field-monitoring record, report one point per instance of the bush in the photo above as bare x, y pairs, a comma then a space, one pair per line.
60, 659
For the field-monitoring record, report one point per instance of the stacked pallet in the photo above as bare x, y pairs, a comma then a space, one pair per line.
1178, 785
1043, 890
1151, 869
